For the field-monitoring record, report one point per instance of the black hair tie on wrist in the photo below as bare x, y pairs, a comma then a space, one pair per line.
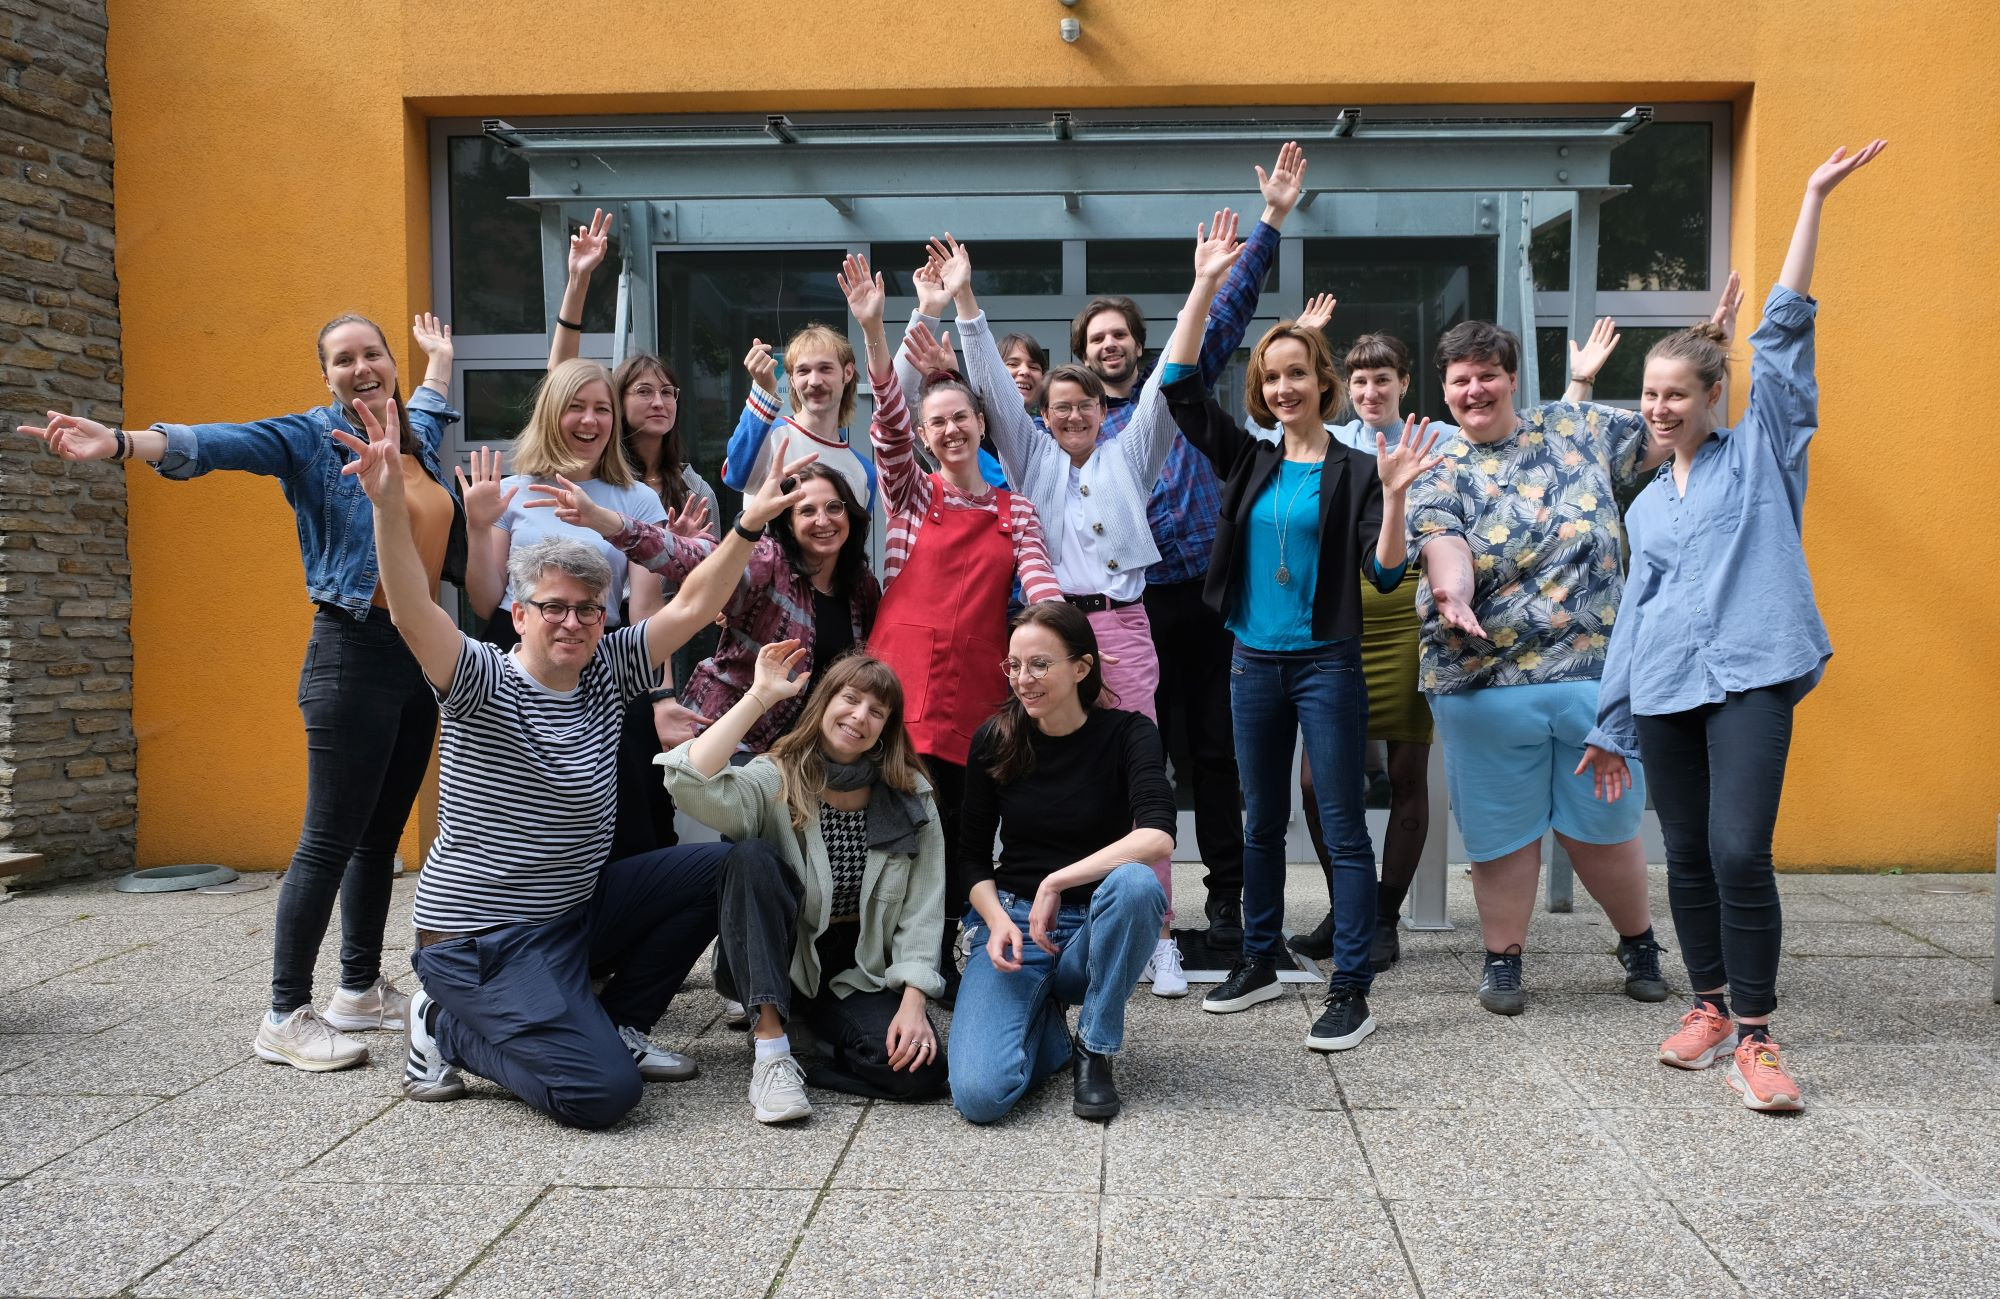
750, 535
569, 324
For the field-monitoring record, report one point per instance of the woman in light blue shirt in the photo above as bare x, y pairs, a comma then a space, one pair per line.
1717, 640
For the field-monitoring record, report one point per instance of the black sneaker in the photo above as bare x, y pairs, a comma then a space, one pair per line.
1317, 945
1500, 986
1249, 982
1641, 959
1225, 924
1344, 1022
1386, 949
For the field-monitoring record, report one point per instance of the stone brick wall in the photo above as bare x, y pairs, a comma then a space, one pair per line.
67, 786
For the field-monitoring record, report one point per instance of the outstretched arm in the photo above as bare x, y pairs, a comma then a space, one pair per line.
586, 251
1797, 274
1586, 360
434, 338
428, 630
1216, 249
777, 679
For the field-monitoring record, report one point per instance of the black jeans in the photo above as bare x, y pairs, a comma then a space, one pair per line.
371, 720
1716, 773
760, 900
516, 1004
1194, 649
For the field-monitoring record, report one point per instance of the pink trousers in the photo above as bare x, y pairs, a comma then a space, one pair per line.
1127, 636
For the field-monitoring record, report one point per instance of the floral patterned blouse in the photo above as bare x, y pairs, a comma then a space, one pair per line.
1538, 512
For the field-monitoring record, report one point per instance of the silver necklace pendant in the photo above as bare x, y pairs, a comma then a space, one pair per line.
1284, 576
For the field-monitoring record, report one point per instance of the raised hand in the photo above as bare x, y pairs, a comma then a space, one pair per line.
1317, 312
1216, 247
778, 677
375, 461
73, 437
763, 366
779, 492
484, 501
1727, 306
931, 354
1842, 165
690, 520
1587, 360
1609, 776
932, 297
574, 507
864, 291
953, 262
1410, 460
1285, 181
588, 245
433, 336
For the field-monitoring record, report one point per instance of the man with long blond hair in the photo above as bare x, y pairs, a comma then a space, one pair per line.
822, 380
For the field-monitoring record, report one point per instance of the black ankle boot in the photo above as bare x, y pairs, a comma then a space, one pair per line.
1386, 949
1317, 945
1096, 1094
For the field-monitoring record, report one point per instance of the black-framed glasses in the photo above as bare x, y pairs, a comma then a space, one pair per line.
555, 611
1036, 668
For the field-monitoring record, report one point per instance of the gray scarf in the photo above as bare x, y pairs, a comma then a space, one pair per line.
893, 816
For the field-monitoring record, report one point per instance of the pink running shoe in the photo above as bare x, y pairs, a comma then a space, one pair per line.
1760, 1076
1701, 1038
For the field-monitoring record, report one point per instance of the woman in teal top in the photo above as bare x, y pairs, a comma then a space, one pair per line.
1301, 520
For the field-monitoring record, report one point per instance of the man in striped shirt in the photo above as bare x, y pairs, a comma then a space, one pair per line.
516, 910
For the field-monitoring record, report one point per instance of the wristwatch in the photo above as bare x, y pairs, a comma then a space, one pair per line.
750, 535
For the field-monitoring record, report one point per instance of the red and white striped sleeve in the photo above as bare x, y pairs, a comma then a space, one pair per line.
1031, 554
905, 487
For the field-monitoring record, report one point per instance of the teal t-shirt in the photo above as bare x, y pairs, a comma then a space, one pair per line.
1271, 614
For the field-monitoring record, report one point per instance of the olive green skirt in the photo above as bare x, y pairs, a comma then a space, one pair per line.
1389, 628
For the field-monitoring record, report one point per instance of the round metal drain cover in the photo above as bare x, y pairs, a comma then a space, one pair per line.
173, 879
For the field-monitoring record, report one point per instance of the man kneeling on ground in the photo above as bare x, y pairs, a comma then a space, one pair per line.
516, 912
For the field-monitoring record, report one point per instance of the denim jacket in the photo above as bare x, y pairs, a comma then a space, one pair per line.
336, 524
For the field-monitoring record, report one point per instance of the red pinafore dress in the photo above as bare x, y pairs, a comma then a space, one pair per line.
942, 624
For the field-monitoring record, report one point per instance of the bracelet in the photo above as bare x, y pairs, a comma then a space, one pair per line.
660, 693
124, 451
749, 535
1591, 382
569, 324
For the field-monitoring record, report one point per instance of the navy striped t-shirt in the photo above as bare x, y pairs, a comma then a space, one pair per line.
527, 786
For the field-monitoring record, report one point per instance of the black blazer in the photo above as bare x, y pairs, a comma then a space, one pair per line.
1350, 507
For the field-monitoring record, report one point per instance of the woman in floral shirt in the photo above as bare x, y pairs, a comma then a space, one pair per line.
1518, 534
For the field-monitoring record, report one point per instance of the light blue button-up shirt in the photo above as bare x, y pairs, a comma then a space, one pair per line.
1718, 598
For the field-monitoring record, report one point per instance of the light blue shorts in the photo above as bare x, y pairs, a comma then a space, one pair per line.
1510, 754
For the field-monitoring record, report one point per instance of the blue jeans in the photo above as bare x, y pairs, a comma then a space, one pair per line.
1320, 695
1007, 1030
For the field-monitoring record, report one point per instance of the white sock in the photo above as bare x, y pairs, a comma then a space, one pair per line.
770, 1048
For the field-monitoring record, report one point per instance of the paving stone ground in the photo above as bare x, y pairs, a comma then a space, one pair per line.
145, 1151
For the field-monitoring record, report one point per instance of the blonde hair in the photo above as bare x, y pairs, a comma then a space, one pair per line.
1318, 355
816, 337
799, 758
1704, 347
541, 451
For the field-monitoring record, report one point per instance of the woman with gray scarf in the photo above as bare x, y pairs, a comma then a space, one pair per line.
832, 897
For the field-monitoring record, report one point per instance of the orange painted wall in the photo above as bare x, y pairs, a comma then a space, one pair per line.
271, 172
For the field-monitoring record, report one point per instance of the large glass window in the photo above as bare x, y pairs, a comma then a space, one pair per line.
498, 402
1655, 237
496, 246
1000, 267
1414, 289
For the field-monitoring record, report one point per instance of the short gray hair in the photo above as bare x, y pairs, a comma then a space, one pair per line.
526, 564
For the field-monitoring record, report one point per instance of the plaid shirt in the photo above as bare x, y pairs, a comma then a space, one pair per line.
1186, 504
772, 602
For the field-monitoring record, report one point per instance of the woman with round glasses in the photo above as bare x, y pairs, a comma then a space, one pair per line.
955, 546
1077, 792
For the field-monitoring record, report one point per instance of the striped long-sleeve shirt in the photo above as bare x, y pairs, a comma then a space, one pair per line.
908, 490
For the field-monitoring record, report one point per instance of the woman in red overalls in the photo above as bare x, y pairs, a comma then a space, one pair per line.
955, 545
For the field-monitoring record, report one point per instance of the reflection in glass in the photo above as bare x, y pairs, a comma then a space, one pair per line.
1622, 376
498, 402
1653, 238
1135, 266
1414, 289
496, 246
999, 267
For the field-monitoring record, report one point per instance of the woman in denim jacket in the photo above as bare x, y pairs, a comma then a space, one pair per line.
370, 717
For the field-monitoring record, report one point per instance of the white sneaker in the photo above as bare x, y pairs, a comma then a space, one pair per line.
656, 1063
378, 1006
305, 1041
426, 1076
1164, 969
778, 1090
735, 1014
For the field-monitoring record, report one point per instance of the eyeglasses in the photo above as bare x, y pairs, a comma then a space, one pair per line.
1065, 409
555, 611
963, 419
1035, 668
646, 392
833, 509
